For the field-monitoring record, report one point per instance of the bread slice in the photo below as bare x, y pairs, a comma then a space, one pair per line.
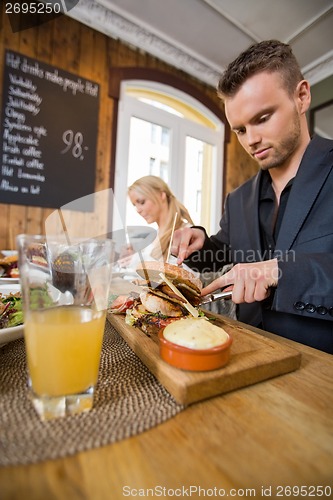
150, 271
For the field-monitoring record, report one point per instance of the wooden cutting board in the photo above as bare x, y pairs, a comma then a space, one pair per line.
254, 358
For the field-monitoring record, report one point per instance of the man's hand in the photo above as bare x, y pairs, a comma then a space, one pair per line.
249, 282
186, 241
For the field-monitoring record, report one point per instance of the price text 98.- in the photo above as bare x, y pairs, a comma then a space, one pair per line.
74, 144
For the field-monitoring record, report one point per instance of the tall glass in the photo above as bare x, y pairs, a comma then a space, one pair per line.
65, 289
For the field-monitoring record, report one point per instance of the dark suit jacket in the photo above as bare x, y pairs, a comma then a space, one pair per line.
301, 307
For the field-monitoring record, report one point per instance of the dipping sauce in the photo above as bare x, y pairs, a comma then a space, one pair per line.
195, 333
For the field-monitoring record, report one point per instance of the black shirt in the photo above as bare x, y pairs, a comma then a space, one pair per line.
271, 215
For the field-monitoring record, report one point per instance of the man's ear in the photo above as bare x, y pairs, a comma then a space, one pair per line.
303, 96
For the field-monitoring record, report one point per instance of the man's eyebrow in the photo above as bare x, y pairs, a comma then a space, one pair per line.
254, 118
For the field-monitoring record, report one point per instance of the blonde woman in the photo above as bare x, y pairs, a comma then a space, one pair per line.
155, 202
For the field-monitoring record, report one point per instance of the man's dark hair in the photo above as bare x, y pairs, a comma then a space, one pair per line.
269, 55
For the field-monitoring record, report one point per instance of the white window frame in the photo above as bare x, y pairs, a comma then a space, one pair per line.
181, 127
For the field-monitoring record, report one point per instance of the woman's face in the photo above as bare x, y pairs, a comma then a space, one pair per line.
146, 207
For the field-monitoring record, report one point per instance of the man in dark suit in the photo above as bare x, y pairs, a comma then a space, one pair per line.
277, 228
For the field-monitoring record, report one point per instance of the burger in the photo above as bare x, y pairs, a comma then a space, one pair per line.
37, 254
9, 266
158, 304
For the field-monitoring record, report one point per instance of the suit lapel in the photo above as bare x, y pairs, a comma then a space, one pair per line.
311, 175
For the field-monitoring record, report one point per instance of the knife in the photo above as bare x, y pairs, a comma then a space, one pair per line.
212, 297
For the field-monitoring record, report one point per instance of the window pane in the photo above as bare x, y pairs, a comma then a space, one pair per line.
198, 181
149, 154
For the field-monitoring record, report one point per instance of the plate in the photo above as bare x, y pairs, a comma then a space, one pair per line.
9, 281
8, 253
15, 332
126, 274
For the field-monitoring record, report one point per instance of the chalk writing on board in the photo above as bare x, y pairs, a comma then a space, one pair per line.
48, 134
74, 144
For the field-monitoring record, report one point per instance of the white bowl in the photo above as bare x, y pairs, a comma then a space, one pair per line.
8, 253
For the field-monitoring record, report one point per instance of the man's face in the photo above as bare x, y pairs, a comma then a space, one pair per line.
266, 120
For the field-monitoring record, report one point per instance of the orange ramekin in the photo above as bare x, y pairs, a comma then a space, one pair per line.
194, 359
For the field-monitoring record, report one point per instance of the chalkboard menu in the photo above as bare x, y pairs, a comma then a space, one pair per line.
49, 126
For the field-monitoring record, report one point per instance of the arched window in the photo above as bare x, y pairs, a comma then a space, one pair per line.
164, 131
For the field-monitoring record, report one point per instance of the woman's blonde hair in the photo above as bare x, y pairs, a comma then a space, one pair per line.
150, 186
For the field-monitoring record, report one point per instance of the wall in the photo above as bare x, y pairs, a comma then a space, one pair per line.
74, 47
322, 92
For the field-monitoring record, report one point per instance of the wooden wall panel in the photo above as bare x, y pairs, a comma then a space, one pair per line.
74, 47
14, 217
240, 166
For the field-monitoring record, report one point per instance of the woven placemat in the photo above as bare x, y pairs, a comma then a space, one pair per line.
128, 401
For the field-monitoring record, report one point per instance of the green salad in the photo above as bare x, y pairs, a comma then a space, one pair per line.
11, 313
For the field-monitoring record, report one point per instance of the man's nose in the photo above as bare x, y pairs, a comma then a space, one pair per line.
252, 136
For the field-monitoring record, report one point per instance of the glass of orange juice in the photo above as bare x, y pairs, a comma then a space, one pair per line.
65, 289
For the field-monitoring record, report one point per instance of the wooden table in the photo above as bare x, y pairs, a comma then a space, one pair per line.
274, 435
